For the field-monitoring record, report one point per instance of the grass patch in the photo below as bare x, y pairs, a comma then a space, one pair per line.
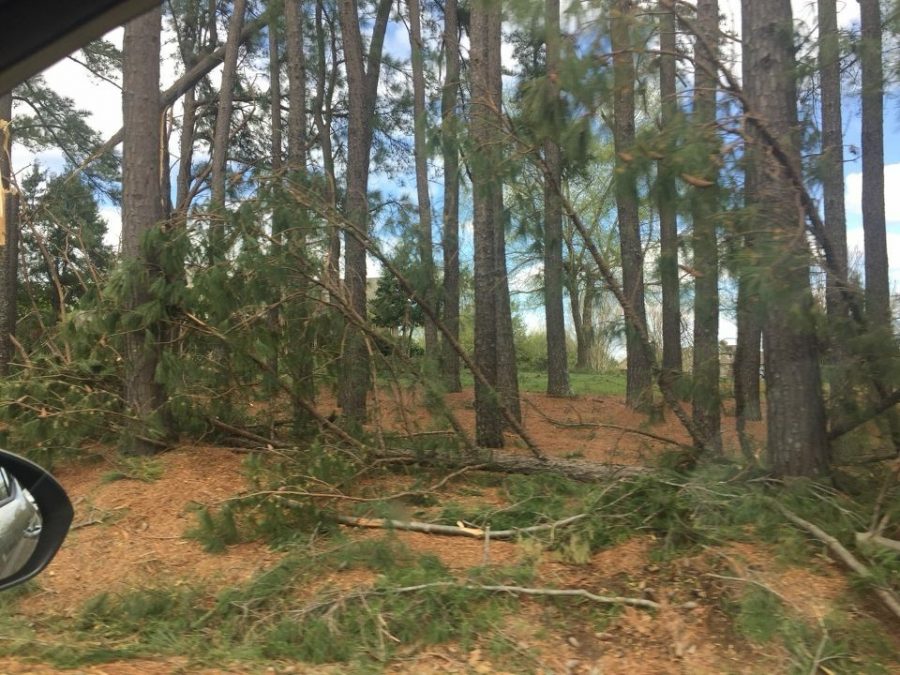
145, 469
274, 617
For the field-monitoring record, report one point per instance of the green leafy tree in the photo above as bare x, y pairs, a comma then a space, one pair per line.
62, 244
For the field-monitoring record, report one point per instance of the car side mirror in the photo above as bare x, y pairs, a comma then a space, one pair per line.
35, 515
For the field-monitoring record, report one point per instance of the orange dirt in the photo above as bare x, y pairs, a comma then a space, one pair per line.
129, 534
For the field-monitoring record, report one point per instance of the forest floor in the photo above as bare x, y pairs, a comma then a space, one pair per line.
741, 604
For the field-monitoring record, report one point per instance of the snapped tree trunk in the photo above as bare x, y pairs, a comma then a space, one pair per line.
9, 239
450, 231
141, 211
639, 391
796, 439
704, 206
557, 359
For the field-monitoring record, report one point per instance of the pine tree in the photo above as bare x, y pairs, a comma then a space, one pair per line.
796, 440
878, 294
141, 211
557, 360
450, 230
667, 196
639, 392
704, 203
362, 87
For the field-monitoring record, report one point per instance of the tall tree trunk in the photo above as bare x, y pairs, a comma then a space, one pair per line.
878, 295
488, 421
9, 239
667, 197
322, 106
747, 355
275, 94
639, 392
557, 360
507, 371
588, 331
362, 87
278, 212
186, 150
420, 121
796, 439
832, 159
141, 210
298, 324
296, 67
704, 204
450, 230
222, 134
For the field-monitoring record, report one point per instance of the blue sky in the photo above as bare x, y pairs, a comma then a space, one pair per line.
103, 102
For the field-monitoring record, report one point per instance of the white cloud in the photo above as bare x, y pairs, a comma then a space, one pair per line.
891, 197
113, 217
856, 247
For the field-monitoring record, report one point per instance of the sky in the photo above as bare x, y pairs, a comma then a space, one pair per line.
103, 102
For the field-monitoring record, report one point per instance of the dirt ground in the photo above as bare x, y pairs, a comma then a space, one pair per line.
129, 534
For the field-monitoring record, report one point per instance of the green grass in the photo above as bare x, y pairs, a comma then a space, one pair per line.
610, 383
274, 617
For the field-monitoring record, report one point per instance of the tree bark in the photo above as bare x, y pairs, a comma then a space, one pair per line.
588, 332
420, 120
222, 133
9, 239
483, 105
296, 67
507, 371
878, 295
362, 87
796, 438
557, 359
275, 95
667, 196
450, 232
297, 314
322, 113
832, 159
186, 149
639, 392
141, 211
704, 204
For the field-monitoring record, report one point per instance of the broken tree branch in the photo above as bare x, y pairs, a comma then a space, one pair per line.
863, 538
886, 596
603, 425
455, 530
513, 590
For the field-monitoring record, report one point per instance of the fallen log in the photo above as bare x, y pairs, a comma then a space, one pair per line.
506, 461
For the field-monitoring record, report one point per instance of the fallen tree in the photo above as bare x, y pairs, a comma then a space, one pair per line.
505, 461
